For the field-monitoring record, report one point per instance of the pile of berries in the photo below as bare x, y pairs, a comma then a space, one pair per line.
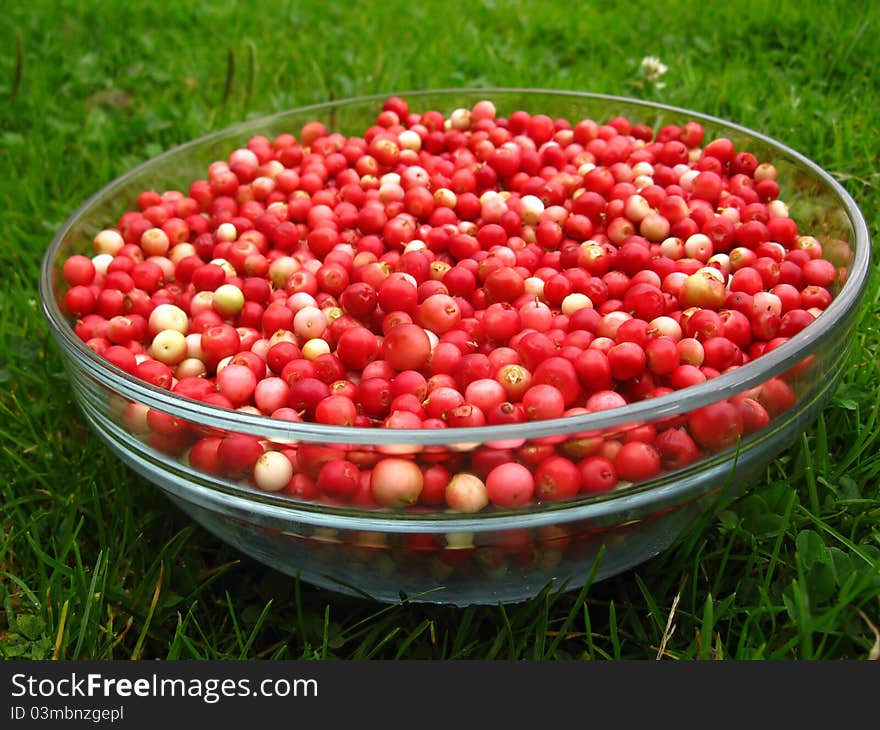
454, 271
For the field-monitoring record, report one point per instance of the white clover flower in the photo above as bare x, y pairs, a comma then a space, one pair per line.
652, 68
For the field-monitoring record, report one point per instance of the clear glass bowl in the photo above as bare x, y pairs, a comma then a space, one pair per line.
495, 555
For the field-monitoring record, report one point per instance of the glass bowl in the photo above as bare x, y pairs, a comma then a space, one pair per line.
438, 555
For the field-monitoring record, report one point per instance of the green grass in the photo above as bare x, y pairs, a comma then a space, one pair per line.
95, 563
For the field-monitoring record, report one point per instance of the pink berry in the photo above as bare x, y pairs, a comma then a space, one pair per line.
396, 482
542, 402
466, 493
510, 485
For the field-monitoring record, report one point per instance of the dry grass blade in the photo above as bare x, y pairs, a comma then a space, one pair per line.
670, 628
874, 652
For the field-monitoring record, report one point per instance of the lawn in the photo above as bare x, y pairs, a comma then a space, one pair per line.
96, 563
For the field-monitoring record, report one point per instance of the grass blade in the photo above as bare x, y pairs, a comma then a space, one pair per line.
230, 77
89, 600
18, 66
576, 606
142, 637
58, 651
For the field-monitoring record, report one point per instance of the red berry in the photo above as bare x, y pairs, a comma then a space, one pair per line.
237, 453
357, 347
406, 347
637, 461
338, 478
556, 478
716, 426
597, 474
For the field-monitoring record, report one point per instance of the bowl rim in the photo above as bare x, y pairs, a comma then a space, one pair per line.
719, 388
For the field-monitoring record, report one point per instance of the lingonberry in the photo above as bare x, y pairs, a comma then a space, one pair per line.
442, 399
406, 347
357, 347
407, 402
336, 410
306, 393
271, 394
464, 416
534, 348
677, 449
79, 270
716, 426
776, 396
819, 272
374, 396
636, 461
338, 478
661, 355
203, 455
626, 360
438, 313
237, 453
754, 415
543, 401
154, 372
485, 394
510, 485
556, 478
505, 412
465, 492
272, 471
597, 474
